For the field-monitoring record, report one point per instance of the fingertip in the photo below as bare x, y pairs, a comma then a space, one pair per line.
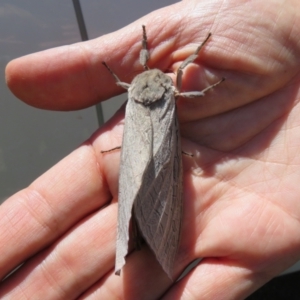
54, 79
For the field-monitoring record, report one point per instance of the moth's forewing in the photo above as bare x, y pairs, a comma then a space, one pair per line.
135, 156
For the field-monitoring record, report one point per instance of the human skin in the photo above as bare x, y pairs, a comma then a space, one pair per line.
241, 188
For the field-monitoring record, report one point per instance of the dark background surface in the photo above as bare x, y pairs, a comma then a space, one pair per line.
285, 287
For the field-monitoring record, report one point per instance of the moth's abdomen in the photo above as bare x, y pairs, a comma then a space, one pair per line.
151, 86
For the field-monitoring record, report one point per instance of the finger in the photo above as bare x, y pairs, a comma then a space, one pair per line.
141, 278
231, 130
70, 266
216, 279
73, 77
35, 217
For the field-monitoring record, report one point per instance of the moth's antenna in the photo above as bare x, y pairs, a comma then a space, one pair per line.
144, 54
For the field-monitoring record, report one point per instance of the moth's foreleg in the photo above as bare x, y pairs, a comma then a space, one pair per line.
194, 94
118, 81
187, 61
144, 54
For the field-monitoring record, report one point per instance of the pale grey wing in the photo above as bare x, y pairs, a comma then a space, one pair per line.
158, 206
135, 156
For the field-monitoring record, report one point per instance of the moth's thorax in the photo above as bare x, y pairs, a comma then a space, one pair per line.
151, 86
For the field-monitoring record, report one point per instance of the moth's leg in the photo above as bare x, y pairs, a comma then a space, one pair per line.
118, 81
144, 53
198, 93
112, 149
187, 61
187, 154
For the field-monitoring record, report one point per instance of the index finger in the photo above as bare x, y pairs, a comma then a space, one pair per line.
73, 77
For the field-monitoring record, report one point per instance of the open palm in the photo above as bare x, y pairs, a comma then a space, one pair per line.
241, 190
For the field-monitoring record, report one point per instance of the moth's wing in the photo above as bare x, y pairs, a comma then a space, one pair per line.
135, 156
158, 205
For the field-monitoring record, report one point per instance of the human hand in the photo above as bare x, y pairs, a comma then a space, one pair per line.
241, 189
